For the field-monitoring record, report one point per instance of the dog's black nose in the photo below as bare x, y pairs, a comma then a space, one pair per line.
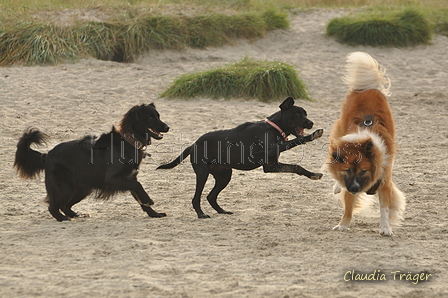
309, 124
354, 188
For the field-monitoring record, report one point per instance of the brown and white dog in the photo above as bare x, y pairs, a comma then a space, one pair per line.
362, 144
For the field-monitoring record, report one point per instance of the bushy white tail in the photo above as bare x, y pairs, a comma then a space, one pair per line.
362, 200
364, 73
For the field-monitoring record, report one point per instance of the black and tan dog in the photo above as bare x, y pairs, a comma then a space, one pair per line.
247, 147
107, 165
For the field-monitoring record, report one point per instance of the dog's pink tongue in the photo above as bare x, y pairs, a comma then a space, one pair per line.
300, 131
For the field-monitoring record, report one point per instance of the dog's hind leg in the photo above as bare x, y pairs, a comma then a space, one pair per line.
202, 171
222, 178
76, 198
59, 188
348, 200
54, 211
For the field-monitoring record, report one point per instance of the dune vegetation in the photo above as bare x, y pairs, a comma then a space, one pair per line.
46, 32
406, 28
51, 31
33, 43
248, 78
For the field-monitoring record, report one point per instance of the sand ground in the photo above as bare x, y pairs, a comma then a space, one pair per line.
278, 242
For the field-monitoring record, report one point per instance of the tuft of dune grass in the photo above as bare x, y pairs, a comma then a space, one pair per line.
396, 30
123, 40
248, 78
36, 44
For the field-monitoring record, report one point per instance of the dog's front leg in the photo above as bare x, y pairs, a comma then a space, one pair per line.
145, 201
349, 205
300, 140
287, 168
315, 135
137, 191
147, 207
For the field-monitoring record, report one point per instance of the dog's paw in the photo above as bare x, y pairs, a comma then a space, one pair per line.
82, 215
153, 214
157, 214
203, 215
336, 188
316, 176
340, 228
318, 133
386, 231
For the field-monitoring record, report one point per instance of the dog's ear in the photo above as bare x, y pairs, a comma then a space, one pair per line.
368, 149
130, 118
287, 104
152, 105
132, 113
135, 113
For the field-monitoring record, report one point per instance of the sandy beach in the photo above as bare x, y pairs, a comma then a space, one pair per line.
278, 242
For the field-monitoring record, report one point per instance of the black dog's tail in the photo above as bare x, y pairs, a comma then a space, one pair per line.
29, 163
178, 160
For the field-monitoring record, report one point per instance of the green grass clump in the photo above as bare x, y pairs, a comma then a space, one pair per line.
217, 30
275, 19
36, 44
403, 29
122, 40
263, 80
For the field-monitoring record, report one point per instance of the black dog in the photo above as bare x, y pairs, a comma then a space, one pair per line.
247, 147
107, 165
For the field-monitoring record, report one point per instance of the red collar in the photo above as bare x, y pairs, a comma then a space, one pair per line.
285, 137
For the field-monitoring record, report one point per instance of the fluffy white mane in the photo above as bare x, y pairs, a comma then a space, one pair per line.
364, 134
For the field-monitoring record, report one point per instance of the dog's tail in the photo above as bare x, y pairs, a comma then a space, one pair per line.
363, 201
364, 73
178, 160
28, 162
